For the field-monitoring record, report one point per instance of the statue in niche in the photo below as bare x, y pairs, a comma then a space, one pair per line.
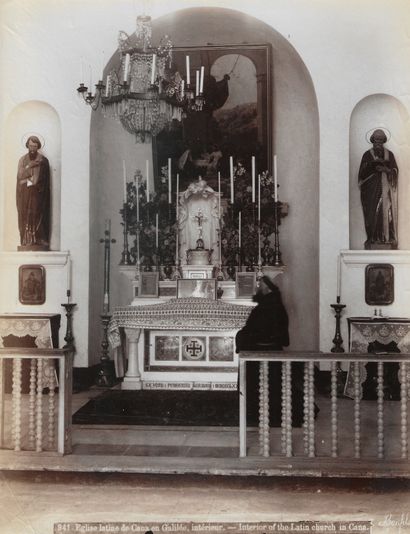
378, 178
33, 198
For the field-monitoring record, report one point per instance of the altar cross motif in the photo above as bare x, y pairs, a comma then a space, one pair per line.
193, 348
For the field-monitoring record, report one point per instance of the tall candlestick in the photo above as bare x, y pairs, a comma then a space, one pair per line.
124, 172
275, 177
259, 198
201, 83
219, 195
239, 229
188, 72
253, 179
169, 181
339, 277
231, 175
156, 230
68, 276
154, 57
126, 66
147, 177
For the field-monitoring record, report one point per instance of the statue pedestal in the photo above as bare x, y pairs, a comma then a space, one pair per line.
197, 271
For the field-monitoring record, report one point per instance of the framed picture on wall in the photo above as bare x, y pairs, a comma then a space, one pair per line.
235, 120
245, 285
148, 286
32, 284
379, 284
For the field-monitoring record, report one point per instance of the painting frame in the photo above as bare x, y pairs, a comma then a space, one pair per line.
245, 285
171, 143
148, 285
205, 288
379, 284
32, 284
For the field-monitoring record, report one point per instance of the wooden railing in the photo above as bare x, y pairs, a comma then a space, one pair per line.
330, 426
39, 419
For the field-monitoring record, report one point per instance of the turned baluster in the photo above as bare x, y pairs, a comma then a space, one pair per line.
51, 406
39, 406
16, 394
357, 395
305, 408
403, 408
311, 366
380, 408
32, 404
333, 407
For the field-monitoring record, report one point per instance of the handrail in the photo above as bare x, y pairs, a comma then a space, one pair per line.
316, 356
24, 352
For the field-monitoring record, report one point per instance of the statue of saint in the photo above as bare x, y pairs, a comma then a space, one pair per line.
33, 198
378, 177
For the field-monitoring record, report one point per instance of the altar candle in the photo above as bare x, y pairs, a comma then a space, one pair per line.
219, 194
201, 84
177, 200
188, 73
124, 172
169, 181
107, 85
156, 230
68, 275
239, 229
137, 187
82, 70
126, 66
182, 88
147, 177
91, 78
339, 277
253, 179
154, 58
197, 83
259, 198
231, 175
275, 177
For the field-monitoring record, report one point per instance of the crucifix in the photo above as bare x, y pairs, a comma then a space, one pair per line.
199, 217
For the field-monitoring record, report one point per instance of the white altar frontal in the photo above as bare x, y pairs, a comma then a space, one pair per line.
179, 331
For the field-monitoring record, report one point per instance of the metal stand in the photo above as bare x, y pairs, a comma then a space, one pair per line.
277, 256
337, 347
125, 255
69, 337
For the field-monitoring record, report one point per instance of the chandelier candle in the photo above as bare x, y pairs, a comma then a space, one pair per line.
201, 85
231, 175
188, 73
154, 57
126, 67
169, 181
197, 83
253, 179
107, 85
147, 177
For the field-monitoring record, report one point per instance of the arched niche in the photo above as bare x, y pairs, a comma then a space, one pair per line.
33, 117
294, 129
373, 111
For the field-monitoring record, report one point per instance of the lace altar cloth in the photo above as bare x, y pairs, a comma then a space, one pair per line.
184, 313
38, 328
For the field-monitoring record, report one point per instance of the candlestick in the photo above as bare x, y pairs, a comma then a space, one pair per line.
275, 178
169, 181
197, 83
126, 67
201, 84
156, 230
154, 57
147, 177
339, 278
253, 179
231, 175
125, 181
188, 73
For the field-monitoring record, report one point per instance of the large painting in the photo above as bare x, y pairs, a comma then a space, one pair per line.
235, 119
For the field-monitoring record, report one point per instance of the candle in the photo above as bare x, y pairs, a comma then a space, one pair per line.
169, 181
82, 70
253, 179
137, 187
239, 229
68, 275
126, 67
259, 198
156, 230
231, 175
188, 73
275, 178
197, 83
107, 85
91, 78
219, 194
106, 305
107, 228
154, 57
177, 199
147, 177
125, 181
201, 84
182, 88
339, 277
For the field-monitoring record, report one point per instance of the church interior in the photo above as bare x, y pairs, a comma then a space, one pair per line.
160, 165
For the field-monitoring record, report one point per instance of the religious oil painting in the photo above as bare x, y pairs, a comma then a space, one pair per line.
379, 284
197, 288
221, 348
32, 284
167, 348
149, 285
234, 120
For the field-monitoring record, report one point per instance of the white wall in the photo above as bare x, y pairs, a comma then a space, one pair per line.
351, 49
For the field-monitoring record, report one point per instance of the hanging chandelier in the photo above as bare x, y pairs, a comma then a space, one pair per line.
142, 92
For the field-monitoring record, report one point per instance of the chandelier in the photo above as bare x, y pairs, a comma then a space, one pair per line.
142, 92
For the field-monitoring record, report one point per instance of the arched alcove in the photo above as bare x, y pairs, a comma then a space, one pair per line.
387, 112
294, 130
32, 117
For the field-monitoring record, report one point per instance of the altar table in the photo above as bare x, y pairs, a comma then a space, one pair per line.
186, 343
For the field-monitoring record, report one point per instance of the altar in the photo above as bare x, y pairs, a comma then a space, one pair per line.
185, 343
